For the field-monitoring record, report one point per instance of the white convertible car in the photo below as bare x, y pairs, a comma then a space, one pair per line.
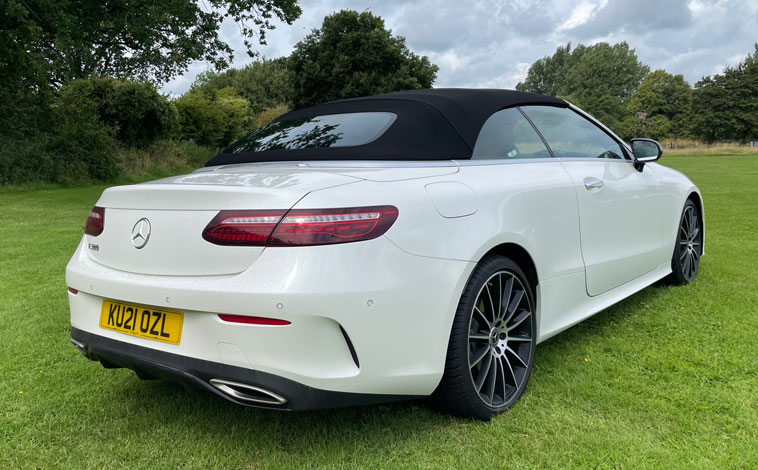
404, 245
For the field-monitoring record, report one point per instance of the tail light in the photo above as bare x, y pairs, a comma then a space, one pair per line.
299, 227
243, 228
95, 221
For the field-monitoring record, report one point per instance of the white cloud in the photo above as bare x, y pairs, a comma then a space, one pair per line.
581, 14
491, 43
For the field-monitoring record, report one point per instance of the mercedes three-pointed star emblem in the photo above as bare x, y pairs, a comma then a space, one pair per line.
141, 233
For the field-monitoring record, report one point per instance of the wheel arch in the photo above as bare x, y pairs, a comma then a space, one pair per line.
697, 199
520, 256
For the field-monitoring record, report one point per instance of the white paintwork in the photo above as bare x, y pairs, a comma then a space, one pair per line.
620, 223
452, 199
396, 295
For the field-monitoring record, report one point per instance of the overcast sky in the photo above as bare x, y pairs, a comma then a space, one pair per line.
491, 43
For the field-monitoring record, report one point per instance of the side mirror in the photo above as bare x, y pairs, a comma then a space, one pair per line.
646, 150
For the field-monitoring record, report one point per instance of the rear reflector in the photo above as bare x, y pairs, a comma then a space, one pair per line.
253, 320
73, 291
300, 227
95, 222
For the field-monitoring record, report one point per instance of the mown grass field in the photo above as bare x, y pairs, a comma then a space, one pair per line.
665, 379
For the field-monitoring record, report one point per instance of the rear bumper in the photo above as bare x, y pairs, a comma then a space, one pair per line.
197, 373
393, 308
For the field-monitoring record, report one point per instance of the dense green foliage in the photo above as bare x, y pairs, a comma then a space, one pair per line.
660, 107
725, 106
353, 54
47, 46
599, 78
69, 39
46, 43
264, 84
135, 111
607, 81
214, 120
663, 380
88, 123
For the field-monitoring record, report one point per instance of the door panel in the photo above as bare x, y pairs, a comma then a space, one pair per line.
621, 226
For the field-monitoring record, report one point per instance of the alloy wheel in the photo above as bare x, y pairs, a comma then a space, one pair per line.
500, 342
690, 243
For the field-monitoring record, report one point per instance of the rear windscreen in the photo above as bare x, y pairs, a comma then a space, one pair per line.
331, 130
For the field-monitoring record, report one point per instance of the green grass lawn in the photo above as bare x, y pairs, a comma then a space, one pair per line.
666, 379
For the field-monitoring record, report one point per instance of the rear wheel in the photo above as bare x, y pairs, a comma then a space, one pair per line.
689, 247
492, 342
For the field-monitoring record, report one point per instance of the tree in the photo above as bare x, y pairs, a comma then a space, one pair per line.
139, 39
353, 54
662, 95
598, 78
725, 107
135, 111
265, 84
547, 76
213, 121
269, 114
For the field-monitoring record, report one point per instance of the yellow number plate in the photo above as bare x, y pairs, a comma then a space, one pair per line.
142, 321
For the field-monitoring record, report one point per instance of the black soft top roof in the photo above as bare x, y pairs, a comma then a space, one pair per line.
433, 124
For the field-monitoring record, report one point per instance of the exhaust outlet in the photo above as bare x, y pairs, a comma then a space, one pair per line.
248, 393
81, 347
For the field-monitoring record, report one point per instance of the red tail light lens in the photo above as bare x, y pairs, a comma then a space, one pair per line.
95, 222
300, 227
242, 228
304, 227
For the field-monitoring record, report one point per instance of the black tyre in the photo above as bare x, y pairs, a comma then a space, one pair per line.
492, 342
685, 261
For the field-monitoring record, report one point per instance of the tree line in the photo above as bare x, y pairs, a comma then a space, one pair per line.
79, 82
70, 112
612, 84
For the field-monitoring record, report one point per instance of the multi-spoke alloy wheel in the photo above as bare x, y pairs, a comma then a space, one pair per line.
689, 243
689, 246
500, 338
492, 342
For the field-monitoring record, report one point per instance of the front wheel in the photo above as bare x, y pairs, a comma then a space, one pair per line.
685, 262
492, 342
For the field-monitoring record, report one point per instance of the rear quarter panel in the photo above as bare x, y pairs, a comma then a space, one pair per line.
531, 204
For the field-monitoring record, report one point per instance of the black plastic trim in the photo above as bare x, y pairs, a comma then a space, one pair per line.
350, 347
197, 373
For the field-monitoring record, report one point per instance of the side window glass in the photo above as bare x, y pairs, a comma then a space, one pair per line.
569, 135
508, 135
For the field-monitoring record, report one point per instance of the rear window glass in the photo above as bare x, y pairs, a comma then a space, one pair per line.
331, 130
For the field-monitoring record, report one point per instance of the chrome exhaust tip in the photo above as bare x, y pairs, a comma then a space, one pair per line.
81, 347
248, 393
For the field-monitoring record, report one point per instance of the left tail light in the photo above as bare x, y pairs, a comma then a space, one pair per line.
95, 222
300, 227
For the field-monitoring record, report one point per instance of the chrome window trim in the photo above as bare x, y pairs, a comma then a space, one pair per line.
488, 162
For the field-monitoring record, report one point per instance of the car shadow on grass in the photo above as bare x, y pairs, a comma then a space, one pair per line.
161, 405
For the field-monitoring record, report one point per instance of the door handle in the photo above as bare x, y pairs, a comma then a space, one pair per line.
593, 183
